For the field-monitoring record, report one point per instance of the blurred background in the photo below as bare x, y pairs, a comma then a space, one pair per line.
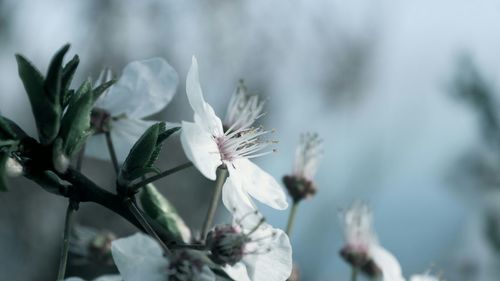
404, 95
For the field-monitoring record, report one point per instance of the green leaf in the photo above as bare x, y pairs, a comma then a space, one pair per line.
54, 73
99, 90
68, 72
6, 132
161, 210
140, 154
3, 163
167, 133
46, 113
75, 125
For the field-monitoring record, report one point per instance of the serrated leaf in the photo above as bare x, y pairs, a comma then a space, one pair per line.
75, 124
68, 72
167, 133
46, 113
3, 163
162, 211
99, 90
52, 82
6, 132
141, 152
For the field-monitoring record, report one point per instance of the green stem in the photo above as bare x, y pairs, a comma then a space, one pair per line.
112, 152
163, 174
72, 207
79, 160
354, 273
147, 227
222, 175
291, 218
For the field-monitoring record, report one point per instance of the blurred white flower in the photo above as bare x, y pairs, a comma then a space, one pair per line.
102, 278
13, 167
251, 252
140, 258
144, 89
208, 146
424, 277
362, 249
300, 184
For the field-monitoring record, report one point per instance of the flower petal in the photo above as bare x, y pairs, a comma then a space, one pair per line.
424, 277
235, 198
260, 184
139, 257
109, 278
237, 272
200, 148
274, 265
204, 113
387, 263
144, 88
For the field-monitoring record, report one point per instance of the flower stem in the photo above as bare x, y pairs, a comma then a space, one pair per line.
112, 152
72, 207
163, 174
147, 227
222, 175
291, 217
354, 273
79, 160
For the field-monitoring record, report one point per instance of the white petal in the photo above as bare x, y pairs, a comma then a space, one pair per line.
389, 265
74, 279
204, 113
260, 184
236, 199
275, 265
139, 257
201, 149
237, 272
425, 277
109, 278
144, 88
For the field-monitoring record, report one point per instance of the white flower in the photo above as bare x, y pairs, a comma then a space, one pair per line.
362, 249
424, 277
243, 109
144, 88
140, 258
102, 278
251, 252
208, 146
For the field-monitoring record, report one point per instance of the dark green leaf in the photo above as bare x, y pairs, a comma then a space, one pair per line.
6, 132
3, 163
140, 154
75, 125
53, 80
99, 90
46, 113
68, 72
167, 133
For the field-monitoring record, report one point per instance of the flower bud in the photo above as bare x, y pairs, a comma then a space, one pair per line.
13, 167
61, 163
227, 244
300, 184
188, 265
359, 259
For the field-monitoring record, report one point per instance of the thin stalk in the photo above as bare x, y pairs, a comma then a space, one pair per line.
112, 152
79, 160
63, 260
354, 273
147, 227
291, 217
222, 175
163, 174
